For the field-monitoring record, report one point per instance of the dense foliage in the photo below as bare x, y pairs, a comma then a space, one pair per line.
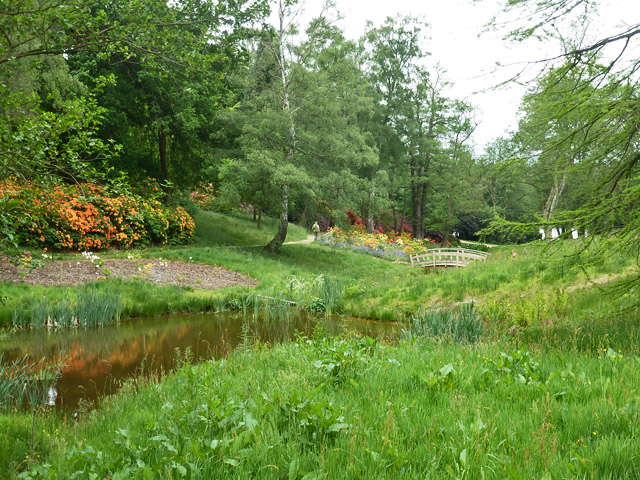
87, 217
297, 121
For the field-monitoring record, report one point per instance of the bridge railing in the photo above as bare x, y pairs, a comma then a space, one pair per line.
448, 257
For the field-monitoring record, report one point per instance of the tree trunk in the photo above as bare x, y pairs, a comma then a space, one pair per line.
418, 225
259, 218
394, 211
447, 226
552, 201
370, 228
274, 245
404, 204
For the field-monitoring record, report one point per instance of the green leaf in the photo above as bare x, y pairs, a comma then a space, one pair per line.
446, 370
463, 458
315, 475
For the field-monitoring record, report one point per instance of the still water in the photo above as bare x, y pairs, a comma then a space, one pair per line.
97, 360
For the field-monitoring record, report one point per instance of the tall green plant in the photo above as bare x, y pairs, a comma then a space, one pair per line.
462, 325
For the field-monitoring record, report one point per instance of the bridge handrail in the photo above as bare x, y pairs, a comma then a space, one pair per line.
447, 257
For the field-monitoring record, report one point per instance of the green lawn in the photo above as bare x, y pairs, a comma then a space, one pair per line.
529, 290
549, 391
216, 229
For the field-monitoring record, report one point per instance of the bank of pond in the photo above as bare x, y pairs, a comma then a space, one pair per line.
94, 362
239, 396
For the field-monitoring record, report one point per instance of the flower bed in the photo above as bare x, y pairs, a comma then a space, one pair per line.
87, 217
387, 245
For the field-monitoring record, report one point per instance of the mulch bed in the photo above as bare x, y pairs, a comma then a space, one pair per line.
160, 272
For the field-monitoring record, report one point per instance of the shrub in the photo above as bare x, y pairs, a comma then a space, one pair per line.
88, 217
388, 245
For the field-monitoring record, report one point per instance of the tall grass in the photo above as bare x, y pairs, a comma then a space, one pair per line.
352, 408
462, 324
24, 382
89, 308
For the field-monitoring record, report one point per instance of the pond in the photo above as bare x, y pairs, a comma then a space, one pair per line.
97, 361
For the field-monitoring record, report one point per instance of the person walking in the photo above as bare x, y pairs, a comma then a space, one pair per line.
315, 229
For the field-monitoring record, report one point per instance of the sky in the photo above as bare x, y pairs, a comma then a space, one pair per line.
456, 41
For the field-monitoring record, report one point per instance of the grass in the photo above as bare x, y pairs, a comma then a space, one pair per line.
239, 230
90, 307
351, 408
370, 287
544, 383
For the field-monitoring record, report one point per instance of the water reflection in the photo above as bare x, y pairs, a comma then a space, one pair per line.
98, 360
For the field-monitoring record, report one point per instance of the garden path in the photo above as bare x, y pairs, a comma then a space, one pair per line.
309, 239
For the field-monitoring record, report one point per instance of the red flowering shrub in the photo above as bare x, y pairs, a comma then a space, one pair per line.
354, 218
86, 217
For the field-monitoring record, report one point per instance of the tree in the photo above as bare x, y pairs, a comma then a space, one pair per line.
48, 121
391, 55
151, 28
555, 135
157, 36
302, 116
416, 119
457, 184
604, 93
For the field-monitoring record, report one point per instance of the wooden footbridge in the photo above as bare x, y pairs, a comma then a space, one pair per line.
447, 257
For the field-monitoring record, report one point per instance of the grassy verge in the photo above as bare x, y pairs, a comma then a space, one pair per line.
531, 289
350, 408
549, 391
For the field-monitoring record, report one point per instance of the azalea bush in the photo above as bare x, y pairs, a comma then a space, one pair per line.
203, 196
390, 244
88, 217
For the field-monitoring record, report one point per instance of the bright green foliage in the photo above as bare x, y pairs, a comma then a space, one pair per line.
301, 121
461, 325
90, 307
354, 408
580, 128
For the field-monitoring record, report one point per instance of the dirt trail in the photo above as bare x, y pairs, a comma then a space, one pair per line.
309, 239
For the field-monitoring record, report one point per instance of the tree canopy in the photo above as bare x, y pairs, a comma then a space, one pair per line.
300, 122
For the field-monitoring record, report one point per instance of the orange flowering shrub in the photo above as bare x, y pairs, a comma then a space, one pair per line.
86, 217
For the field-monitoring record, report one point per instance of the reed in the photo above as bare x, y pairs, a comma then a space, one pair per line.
25, 383
462, 324
89, 308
